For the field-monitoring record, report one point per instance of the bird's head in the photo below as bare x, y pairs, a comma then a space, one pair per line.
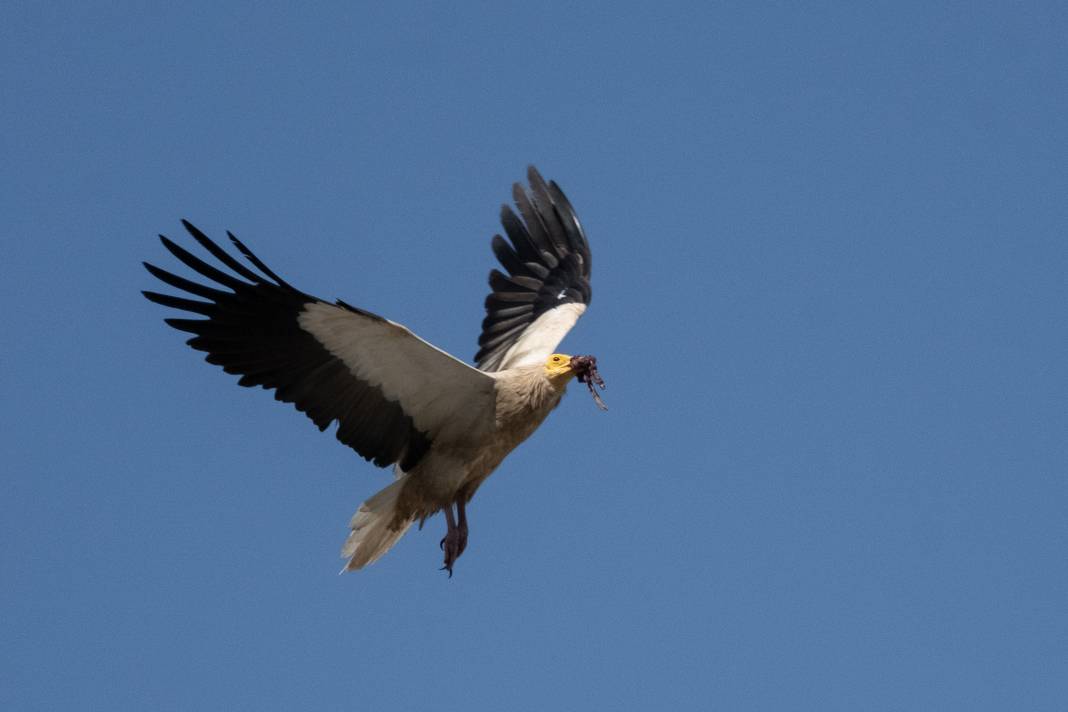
564, 367
558, 366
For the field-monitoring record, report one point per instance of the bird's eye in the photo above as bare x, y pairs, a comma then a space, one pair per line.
556, 358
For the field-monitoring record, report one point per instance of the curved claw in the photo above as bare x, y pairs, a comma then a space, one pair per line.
453, 545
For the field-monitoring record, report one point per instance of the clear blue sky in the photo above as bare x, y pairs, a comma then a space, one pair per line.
830, 300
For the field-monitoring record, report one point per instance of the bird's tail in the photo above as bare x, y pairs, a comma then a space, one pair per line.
374, 530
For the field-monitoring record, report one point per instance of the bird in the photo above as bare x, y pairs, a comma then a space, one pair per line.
442, 424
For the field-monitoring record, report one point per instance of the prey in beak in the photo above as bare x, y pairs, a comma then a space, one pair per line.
585, 369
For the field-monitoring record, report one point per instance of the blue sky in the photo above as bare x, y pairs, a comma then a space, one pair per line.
830, 297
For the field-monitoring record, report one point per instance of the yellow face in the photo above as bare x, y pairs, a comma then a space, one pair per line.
558, 365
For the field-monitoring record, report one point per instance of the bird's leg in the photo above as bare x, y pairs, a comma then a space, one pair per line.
450, 524
450, 543
461, 523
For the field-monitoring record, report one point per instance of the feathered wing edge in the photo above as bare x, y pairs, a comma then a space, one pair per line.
391, 393
547, 285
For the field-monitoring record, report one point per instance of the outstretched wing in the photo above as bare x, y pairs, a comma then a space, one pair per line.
547, 288
392, 393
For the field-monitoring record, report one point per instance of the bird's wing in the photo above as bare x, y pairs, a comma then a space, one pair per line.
547, 288
392, 393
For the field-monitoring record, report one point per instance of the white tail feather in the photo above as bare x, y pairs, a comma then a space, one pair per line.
372, 536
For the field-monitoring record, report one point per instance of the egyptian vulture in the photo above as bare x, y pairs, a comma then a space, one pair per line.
398, 400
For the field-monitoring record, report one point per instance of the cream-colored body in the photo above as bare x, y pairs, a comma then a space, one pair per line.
525, 395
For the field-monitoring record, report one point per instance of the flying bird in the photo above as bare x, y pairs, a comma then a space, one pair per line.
398, 400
